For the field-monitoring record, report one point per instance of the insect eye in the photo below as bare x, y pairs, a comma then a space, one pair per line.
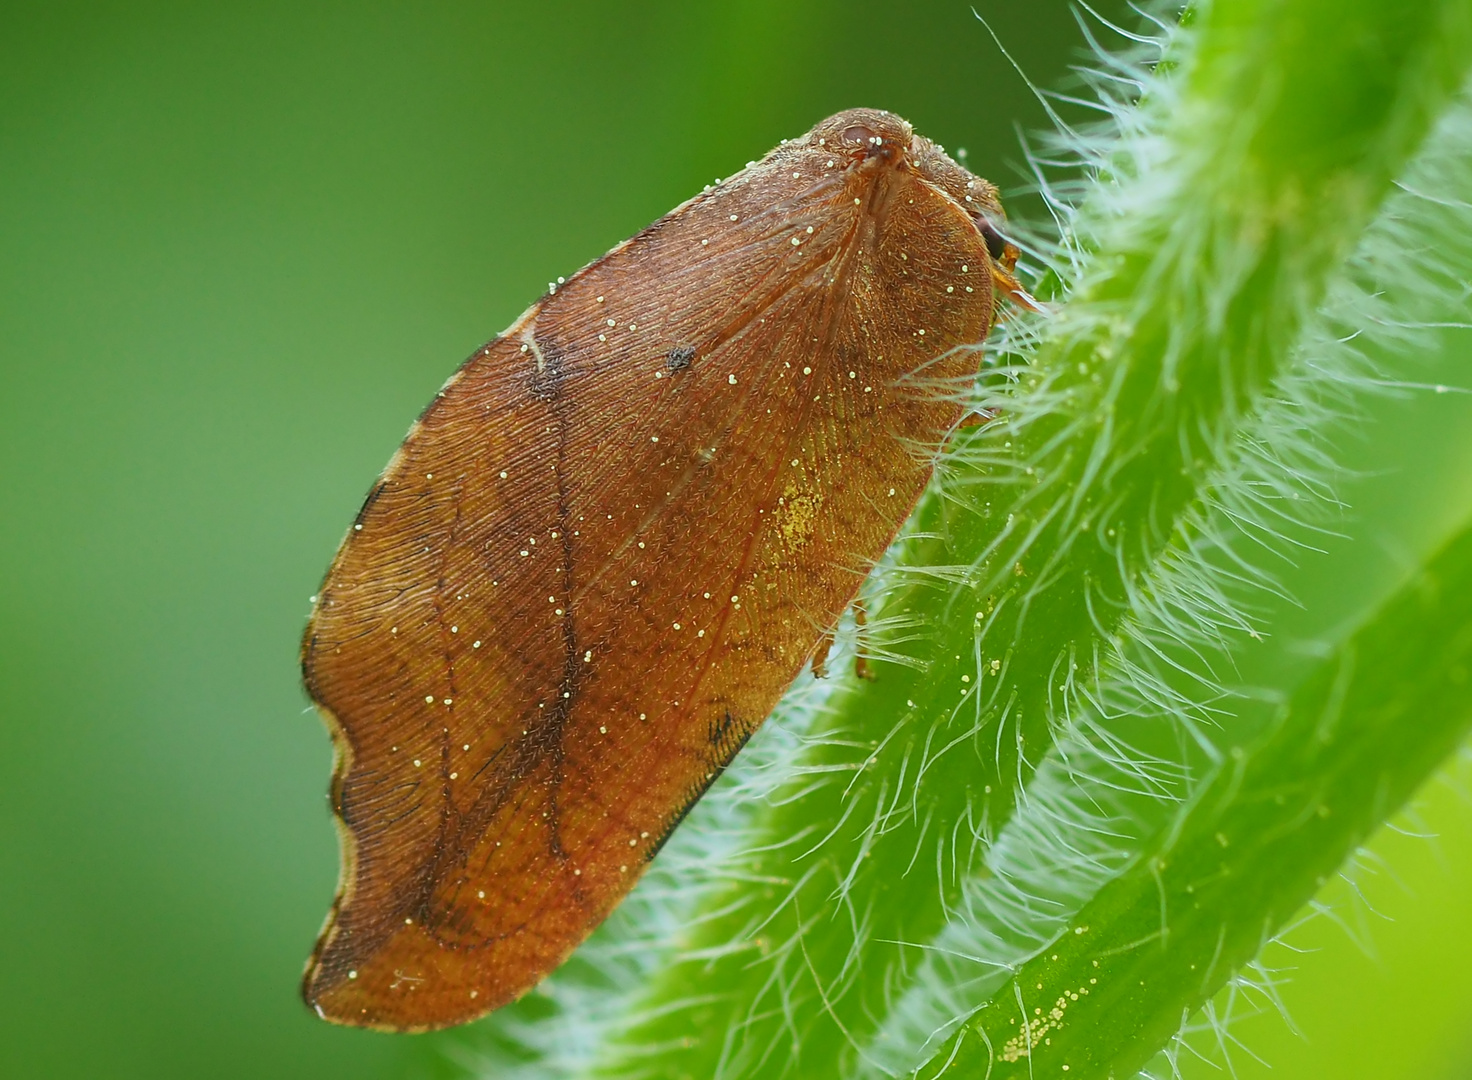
996, 244
859, 135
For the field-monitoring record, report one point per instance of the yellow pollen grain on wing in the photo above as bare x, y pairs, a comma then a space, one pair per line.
797, 515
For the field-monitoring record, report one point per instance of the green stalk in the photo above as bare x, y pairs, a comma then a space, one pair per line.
1371, 721
1271, 156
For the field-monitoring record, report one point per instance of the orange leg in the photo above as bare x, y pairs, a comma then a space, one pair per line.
820, 656
861, 662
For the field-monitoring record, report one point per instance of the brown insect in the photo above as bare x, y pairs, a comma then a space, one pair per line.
612, 541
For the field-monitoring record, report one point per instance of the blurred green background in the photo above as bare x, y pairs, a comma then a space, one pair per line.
240, 247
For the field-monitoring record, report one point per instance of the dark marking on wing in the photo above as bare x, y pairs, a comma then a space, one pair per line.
548, 374
368, 502
309, 679
571, 670
726, 753
680, 357
718, 729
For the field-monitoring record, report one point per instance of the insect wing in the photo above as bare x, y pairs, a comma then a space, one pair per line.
601, 555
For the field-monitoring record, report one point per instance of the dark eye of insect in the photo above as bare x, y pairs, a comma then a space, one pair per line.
996, 244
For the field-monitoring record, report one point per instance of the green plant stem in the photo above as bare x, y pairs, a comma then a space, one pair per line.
1293, 118
1370, 723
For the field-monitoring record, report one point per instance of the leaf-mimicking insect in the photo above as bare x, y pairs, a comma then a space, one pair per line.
612, 541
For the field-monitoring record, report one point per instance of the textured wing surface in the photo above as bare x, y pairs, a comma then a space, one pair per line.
602, 554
